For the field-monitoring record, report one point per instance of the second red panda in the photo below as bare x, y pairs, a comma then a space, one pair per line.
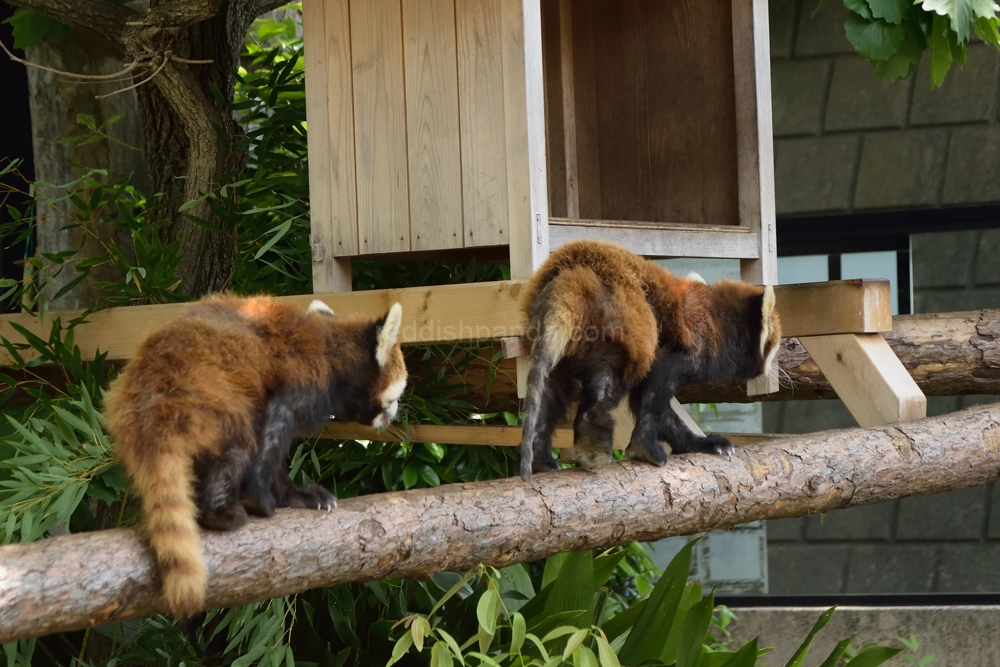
611, 324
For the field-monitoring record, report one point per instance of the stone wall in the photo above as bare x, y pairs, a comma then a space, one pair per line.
845, 142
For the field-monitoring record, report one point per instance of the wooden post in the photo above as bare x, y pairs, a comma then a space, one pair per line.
868, 377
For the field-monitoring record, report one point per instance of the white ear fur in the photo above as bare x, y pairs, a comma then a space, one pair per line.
318, 306
388, 334
696, 278
766, 310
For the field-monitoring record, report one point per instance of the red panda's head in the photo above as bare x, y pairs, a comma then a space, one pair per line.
369, 372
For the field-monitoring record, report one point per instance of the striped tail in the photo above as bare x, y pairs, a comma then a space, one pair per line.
552, 319
163, 477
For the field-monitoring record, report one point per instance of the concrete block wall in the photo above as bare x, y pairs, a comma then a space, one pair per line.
846, 142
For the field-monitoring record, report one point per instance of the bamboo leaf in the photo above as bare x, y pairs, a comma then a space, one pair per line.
800, 653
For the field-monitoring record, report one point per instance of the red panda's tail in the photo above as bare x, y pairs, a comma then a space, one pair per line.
163, 477
556, 318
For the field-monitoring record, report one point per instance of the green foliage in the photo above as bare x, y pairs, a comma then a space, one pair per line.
564, 624
893, 34
30, 28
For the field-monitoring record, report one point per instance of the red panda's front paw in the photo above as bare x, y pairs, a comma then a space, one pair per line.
313, 497
716, 444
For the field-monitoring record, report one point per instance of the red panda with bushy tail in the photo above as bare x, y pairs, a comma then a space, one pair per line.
204, 414
609, 324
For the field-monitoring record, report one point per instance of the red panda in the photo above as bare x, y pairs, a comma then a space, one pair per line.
204, 414
612, 324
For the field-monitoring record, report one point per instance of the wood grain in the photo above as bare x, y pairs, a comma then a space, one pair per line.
433, 148
524, 117
659, 239
56, 585
481, 92
469, 312
380, 126
754, 144
341, 238
867, 377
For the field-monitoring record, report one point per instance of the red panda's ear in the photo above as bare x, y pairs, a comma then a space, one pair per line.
318, 306
388, 334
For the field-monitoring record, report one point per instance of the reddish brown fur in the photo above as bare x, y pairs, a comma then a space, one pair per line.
198, 386
613, 315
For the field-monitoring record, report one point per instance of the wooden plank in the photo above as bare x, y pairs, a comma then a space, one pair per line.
568, 108
555, 138
483, 141
341, 238
524, 117
380, 122
317, 115
433, 148
840, 306
588, 158
868, 377
472, 311
658, 240
513, 347
331, 142
690, 105
620, 59
462, 434
754, 148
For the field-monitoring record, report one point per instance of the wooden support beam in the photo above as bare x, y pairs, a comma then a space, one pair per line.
659, 239
469, 312
868, 377
57, 584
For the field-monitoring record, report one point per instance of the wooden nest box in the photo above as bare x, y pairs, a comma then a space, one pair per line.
476, 125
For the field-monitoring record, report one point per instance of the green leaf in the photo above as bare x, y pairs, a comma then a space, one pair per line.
517, 632
859, 7
693, 632
403, 645
451, 591
745, 657
891, 11
30, 29
800, 653
606, 653
584, 657
574, 588
440, 655
648, 635
960, 12
692, 596
986, 30
940, 50
604, 567
837, 653
419, 628
486, 610
452, 644
574, 641
872, 656
874, 40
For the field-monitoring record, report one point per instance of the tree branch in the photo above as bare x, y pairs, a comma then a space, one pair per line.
107, 19
58, 585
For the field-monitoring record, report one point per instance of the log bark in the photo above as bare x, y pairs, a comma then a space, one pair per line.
75, 581
947, 354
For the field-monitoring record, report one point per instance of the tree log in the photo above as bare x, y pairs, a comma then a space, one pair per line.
947, 354
75, 581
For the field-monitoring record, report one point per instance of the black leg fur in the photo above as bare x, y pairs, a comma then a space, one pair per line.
286, 494
594, 427
217, 488
544, 407
656, 421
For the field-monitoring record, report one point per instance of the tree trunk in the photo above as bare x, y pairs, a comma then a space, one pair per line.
55, 103
181, 118
58, 584
948, 354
